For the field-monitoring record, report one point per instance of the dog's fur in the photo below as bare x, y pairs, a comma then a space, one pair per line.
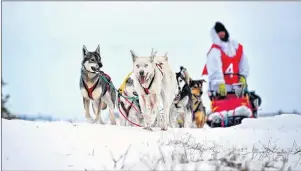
101, 94
153, 77
199, 111
181, 110
131, 111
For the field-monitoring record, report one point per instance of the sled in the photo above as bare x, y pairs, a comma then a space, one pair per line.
232, 109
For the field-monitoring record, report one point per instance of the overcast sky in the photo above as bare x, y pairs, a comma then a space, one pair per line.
42, 46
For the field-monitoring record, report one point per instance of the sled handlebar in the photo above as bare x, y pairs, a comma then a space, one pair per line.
237, 75
244, 90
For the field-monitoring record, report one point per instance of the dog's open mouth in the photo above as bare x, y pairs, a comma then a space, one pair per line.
95, 69
142, 79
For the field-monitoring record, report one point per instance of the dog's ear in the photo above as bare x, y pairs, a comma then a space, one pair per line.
98, 49
189, 80
152, 58
129, 81
85, 51
152, 51
191, 83
200, 83
133, 55
165, 55
153, 54
182, 69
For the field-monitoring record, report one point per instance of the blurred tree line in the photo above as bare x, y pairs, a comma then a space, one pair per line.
5, 113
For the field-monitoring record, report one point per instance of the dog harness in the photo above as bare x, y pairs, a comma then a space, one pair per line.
91, 89
108, 83
127, 110
230, 65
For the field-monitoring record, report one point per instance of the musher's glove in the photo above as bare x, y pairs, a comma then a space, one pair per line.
222, 91
242, 80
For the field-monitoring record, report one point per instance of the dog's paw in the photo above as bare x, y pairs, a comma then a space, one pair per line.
164, 129
148, 128
98, 122
90, 121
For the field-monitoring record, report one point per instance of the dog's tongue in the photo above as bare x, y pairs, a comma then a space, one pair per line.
142, 79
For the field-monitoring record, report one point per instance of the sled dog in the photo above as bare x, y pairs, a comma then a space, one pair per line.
154, 79
199, 111
95, 88
129, 107
181, 109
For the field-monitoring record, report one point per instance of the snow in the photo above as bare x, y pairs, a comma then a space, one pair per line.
60, 145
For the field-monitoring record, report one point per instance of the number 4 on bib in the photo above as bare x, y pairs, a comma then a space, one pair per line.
229, 70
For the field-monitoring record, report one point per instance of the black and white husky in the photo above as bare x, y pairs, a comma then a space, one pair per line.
94, 86
181, 110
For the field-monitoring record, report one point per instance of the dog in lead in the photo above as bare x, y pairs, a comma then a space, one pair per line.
95, 87
154, 80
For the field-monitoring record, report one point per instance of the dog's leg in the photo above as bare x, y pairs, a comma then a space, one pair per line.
145, 105
154, 108
94, 106
133, 117
111, 111
143, 110
166, 109
112, 116
97, 109
173, 117
123, 121
202, 116
87, 110
188, 118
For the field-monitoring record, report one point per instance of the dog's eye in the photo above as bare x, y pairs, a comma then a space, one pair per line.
92, 60
145, 65
137, 65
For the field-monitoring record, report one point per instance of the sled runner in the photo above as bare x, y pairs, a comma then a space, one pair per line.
232, 109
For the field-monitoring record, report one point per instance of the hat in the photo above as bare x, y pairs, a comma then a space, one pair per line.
220, 27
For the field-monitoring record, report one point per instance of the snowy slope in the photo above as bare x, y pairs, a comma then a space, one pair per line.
264, 142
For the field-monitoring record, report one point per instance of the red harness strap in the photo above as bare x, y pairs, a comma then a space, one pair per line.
159, 66
91, 89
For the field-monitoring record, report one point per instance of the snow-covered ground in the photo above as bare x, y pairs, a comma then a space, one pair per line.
266, 142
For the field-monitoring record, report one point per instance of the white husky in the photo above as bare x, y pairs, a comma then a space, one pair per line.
153, 77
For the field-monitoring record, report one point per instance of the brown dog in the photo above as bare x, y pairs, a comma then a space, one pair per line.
199, 111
